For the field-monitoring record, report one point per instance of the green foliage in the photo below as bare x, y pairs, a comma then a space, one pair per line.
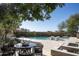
38, 34
12, 14
23, 11
71, 24
9, 41
62, 26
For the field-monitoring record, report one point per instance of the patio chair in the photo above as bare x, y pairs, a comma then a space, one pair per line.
73, 44
71, 49
57, 52
38, 51
52, 38
25, 52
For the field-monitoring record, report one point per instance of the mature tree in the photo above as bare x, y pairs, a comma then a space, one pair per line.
73, 23
62, 26
28, 11
12, 14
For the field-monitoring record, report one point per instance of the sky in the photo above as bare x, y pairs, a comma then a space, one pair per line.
57, 16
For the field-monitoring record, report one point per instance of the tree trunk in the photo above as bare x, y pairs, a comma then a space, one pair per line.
78, 35
4, 37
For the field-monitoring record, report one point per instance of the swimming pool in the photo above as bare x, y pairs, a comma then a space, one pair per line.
44, 38
50, 38
39, 38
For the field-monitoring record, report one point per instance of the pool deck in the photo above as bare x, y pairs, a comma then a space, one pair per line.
51, 44
48, 45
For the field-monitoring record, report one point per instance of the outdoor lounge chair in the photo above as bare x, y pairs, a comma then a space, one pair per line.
52, 38
71, 49
62, 53
73, 44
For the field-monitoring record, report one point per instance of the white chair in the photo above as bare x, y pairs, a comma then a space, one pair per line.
16, 53
57, 38
18, 45
62, 53
52, 38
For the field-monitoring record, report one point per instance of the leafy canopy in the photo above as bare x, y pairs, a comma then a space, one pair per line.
23, 11
12, 14
62, 26
73, 23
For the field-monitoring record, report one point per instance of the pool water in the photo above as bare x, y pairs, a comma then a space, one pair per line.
39, 38
49, 38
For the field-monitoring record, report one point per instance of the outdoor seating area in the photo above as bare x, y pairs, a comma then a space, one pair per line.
25, 52
62, 53
30, 49
72, 49
58, 38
